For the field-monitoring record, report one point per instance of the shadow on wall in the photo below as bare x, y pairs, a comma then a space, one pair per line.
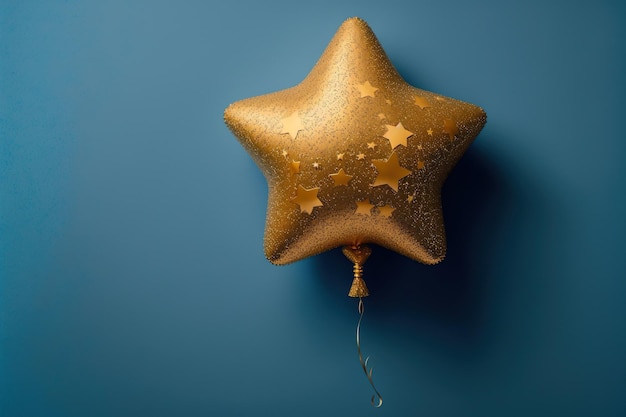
447, 298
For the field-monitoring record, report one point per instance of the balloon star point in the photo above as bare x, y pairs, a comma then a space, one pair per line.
391, 196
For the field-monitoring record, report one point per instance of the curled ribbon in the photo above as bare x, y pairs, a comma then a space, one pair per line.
377, 399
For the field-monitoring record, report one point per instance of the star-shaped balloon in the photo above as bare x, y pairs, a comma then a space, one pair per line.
354, 154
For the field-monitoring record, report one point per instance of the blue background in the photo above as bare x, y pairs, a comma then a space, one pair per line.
132, 276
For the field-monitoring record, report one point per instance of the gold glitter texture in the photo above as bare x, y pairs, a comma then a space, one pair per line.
352, 98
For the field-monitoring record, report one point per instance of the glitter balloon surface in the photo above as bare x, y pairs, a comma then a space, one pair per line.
354, 154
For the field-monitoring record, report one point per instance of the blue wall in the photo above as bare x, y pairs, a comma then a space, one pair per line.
132, 277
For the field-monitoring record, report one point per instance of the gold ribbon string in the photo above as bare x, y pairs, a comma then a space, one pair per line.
364, 363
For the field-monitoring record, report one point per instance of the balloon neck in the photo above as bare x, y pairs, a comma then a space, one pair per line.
358, 255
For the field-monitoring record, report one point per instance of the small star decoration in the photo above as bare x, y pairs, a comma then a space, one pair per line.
373, 153
366, 89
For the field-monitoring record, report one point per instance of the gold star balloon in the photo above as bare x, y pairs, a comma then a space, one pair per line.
354, 155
